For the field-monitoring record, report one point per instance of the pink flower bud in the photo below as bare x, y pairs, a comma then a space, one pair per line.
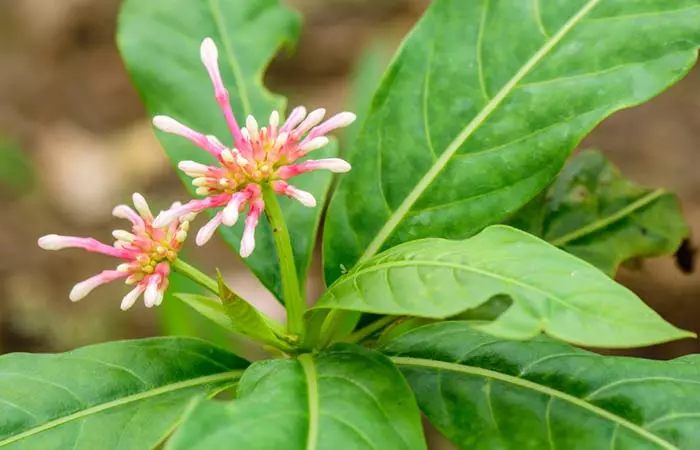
130, 298
207, 231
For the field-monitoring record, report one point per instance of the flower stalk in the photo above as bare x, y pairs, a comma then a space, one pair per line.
291, 290
196, 275
370, 329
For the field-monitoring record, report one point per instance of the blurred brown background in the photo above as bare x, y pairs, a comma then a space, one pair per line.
76, 124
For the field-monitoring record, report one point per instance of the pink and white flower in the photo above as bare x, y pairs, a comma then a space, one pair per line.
260, 156
146, 253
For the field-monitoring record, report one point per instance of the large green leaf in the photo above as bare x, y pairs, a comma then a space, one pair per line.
159, 41
595, 213
482, 105
485, 393
119, 395
552, 291
346, 397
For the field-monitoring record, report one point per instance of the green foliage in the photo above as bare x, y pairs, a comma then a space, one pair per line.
247, 320
487, 393
593, 212
552, 291
159, 40
483, 104
344, 397
118, 395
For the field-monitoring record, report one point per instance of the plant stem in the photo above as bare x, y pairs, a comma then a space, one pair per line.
368, 330
294, 301
195, 275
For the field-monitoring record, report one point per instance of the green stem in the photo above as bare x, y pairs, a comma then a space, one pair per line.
195, 275
370, 329
293, 299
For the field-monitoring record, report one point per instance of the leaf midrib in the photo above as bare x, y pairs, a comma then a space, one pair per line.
546, 390
232, 375
309, 367
608, 220
403, 209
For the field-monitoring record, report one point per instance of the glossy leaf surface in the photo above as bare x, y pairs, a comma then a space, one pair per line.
119, 395
552, 291
159, 41
483, 104
486, 393
593, 212
346, 397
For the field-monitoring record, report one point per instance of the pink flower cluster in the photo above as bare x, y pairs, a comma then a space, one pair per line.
261, 156
146, 253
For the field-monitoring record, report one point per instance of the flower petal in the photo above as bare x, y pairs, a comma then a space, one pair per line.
83, 288
130, 298
207, 231
294, 119
251, 223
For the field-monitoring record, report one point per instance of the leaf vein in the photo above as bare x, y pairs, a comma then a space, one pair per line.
671, 417
17, 407
538, 18
617, 383
426, 94
351, 426
548, 422
479, 50
42, 381
114, 366
371, 396
642, 15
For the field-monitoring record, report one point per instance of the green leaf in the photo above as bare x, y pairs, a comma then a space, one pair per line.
118, 395
159, 41
552, 291
593, 212
247, 319
211, 308
484, 102
485, 393
214, 310
346, 397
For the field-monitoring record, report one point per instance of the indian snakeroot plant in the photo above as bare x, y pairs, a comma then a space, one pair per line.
466, 256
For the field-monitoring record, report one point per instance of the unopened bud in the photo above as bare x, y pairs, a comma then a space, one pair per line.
181, 236
122, 235
227, 156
